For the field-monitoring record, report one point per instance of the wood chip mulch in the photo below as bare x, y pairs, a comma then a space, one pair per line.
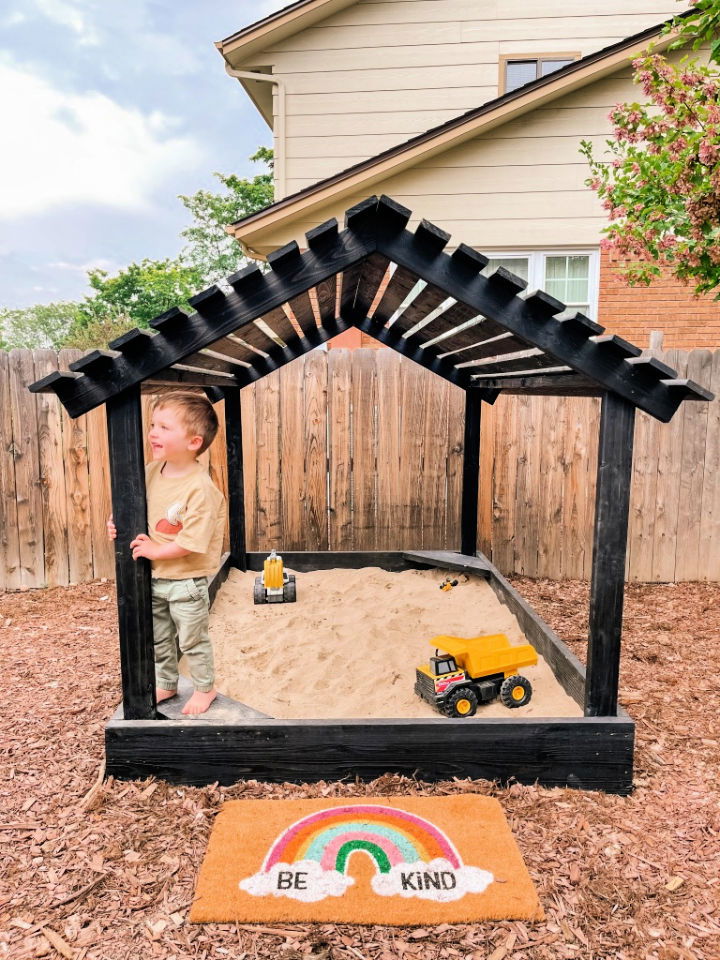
106, 870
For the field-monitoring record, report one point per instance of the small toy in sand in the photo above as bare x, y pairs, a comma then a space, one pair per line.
448, 584
274, 586
474, 670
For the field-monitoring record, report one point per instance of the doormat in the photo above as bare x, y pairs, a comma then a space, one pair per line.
385, 860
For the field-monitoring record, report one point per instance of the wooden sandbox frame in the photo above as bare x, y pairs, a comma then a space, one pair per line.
364, 276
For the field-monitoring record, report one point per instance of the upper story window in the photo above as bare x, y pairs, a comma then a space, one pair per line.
517, 70
571, 277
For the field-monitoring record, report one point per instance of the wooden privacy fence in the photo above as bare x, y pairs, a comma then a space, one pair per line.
363, 450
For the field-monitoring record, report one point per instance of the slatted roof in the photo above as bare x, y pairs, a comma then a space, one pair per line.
478, 330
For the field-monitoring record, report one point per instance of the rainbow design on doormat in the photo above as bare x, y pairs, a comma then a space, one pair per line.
412, 857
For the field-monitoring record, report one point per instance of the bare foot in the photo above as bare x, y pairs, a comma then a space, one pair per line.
199, 702
161, 695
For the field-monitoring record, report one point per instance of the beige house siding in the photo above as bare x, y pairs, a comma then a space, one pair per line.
518, 186
381, 71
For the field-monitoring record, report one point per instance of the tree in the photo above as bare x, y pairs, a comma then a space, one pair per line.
141, 291
210, 249
44, 325
661, 187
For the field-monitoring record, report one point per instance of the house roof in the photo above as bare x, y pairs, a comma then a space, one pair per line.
442, 311
242, 44
363, 176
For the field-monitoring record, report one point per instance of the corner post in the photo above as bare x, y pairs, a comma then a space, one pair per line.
134, 595
471, 474
235, 474
612, 505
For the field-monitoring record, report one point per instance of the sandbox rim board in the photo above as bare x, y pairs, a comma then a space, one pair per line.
582, 752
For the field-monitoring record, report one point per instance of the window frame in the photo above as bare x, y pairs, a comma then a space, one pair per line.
536, 268
538, 57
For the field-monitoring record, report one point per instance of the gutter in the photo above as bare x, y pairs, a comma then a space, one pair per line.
279, 166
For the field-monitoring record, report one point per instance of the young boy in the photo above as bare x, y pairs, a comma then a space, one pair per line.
186, 523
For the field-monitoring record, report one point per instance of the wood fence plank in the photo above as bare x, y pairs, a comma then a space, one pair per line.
52, 475
249, 431
100, 499
551, 534
388, 449
433, 495
27, 470
527, 469
710, 512
316, 451
364, 448
340, 517
668, 483
414, 383
455, 458
77, 485
292, 454
488, 426
641, 532
10, 578
504, 482
218, 465
269, 491
574, 454
592, 432
690, 519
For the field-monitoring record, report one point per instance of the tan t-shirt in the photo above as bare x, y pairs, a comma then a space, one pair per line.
189, 511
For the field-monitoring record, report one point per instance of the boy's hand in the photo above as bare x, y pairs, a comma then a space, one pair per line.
111, 529
143, 546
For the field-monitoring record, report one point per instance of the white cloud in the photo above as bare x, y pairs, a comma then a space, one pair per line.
304, 880
68, 149
69, 15
437, 880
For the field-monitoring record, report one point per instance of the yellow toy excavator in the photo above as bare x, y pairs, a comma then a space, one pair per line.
474, 670
274, 586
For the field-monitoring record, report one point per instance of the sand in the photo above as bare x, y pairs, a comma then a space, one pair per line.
350, 644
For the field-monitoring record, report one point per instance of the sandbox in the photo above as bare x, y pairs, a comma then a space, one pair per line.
348, 648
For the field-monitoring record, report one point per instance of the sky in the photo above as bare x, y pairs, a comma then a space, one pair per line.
109, 109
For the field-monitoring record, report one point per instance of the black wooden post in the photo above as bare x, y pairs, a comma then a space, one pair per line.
236, 488
471, 474
612, 505
134, 598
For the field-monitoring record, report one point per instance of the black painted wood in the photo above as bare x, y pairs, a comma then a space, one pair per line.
422, 306
134, 598
450, 560
278, 322
372, 274
565, 665
196, 378
585, 753
236, 483
254, 295
471, 474
552, 384
496, 297
612, 505
401, 283
304, 560
220, 576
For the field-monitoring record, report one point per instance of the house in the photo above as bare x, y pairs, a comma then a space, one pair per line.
471, 114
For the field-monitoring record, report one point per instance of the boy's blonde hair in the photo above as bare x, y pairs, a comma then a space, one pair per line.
195, 411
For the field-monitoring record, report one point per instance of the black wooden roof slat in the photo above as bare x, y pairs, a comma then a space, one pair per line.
371, 277
421, 307
326, 294
539, 361
401, 283
278, 322
447, 322
303, 312
254, 337
493, 347
211, 363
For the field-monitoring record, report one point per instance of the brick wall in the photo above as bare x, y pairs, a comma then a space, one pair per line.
687, 322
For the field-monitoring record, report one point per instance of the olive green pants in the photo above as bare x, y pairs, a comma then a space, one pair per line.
180, 626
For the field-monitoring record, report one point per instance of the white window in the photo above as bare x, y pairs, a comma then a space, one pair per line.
521, 70
570, 276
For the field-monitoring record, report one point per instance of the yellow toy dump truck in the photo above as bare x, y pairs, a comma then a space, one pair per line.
275, 585
472, 671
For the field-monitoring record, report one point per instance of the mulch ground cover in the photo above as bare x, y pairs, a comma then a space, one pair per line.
94, 869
